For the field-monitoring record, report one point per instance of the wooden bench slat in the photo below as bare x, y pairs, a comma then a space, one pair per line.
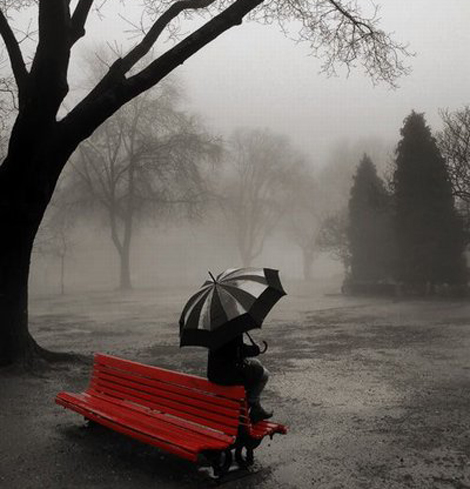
105, 420
172, 420
221, 423
226, 425
185, 391
236, 393
159, 425
140, 423
203, 406
178, 407
266, 428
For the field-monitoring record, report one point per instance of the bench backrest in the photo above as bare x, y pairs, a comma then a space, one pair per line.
189, 397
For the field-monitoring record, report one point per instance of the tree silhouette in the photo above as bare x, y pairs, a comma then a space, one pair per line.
454, 143
428, 228
369, 229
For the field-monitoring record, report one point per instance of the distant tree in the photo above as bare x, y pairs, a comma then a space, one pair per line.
428, 228
143, 163
54, 238
335, 176
333, 238
303, 220
370, 235
262, 168
454, 143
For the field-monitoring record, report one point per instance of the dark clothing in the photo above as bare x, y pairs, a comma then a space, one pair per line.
225, 365
230, 365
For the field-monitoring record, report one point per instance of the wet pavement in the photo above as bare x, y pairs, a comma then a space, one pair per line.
376, 394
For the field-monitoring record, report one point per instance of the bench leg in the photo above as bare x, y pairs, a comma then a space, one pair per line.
220, 462
244, 460
89, 423
244, 452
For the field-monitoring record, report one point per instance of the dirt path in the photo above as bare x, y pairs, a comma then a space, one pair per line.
376, 395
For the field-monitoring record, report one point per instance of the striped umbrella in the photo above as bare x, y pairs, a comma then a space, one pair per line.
236, 301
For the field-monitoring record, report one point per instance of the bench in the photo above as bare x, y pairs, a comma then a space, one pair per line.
185, 415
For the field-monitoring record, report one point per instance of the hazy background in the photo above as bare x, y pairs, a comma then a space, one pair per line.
253, 76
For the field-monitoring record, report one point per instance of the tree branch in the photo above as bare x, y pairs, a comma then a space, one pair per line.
365, 28
121, 66
50, 64
79, 18
139, 51
101, 103
14, 53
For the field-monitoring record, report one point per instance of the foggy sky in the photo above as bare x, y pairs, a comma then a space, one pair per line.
253, 76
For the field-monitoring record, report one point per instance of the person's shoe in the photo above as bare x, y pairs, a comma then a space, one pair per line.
258, 413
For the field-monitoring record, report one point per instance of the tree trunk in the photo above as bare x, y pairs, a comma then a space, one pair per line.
25, 191
16, 344
125, 269
307, 261
62, 274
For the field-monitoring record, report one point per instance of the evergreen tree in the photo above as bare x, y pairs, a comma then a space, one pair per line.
369, 230
428, 228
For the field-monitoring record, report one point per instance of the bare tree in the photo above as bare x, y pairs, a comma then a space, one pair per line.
333, 238
454, 143
261, 170
54, 237
304, 219
41, 142
145, 162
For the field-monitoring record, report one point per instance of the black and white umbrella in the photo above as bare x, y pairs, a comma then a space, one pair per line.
236, 301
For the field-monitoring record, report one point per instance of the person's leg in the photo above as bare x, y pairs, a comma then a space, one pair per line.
256, 376
257, 386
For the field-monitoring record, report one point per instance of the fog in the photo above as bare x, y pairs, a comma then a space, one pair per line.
255, 77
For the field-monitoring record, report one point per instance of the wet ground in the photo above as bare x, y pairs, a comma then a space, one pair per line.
376, 394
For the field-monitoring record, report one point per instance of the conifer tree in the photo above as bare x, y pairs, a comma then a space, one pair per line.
369, 231
428, 229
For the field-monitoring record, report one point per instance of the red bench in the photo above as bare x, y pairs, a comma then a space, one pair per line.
185, 415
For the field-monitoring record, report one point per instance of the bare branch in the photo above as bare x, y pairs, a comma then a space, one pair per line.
14, 53
115, 90
122, 65
143, 48
454, 143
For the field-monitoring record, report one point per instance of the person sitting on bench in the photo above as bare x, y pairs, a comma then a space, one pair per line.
234, 364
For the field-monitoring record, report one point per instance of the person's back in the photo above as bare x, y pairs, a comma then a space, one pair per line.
223, 362
230, 365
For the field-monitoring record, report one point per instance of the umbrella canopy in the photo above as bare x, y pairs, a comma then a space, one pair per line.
236, 301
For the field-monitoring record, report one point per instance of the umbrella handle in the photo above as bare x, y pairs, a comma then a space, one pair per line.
254, 344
